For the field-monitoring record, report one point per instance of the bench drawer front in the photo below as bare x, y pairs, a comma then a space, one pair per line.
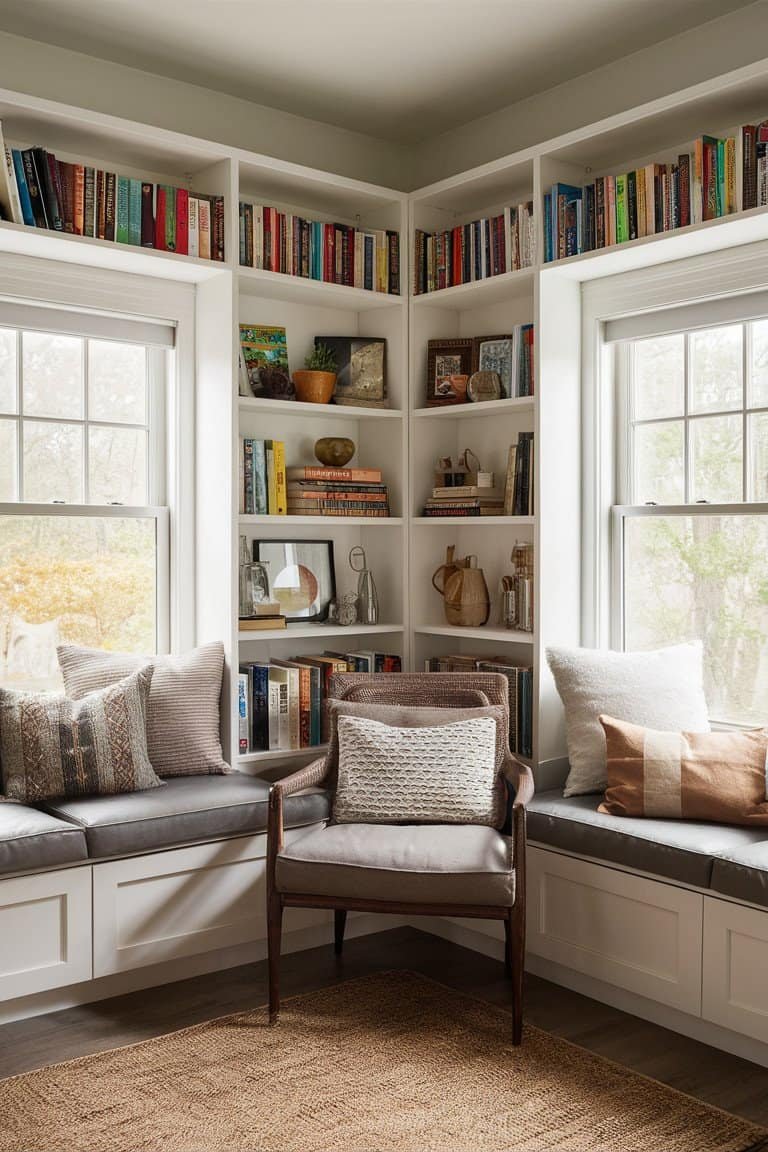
626, 930
159, 907
45, 931
735, 983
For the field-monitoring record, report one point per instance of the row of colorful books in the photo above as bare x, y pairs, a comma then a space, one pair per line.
42, 191
520, 682
263, 480
644, 202
281, 703
486, 247
318, 491
318, 250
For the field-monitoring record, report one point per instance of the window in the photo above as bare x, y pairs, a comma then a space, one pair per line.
691, 527
83, 530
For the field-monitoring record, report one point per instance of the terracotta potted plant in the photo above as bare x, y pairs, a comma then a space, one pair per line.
316, 381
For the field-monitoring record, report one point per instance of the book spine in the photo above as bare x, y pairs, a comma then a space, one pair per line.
684, 168
622, 214
248, 484
160, 211
749, 167
147, 215
27, 214
281, 500
243, 713
261, 711
269, 454
204, 228
34, 188
355, 475
182, 221
260, 481
730, 176
218, 228
193, 210
101, 203
78, 209
109, 206
123, 208
134, 212
170, 218
305, 707
241, 227
632, 205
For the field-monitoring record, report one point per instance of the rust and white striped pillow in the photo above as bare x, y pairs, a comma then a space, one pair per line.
183, 723
718, 776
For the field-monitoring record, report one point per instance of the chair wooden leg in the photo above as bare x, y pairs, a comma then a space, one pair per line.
516, 965
508, 967
339, 922
274, 932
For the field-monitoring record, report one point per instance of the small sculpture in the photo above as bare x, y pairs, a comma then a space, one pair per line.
367, 596
334, 451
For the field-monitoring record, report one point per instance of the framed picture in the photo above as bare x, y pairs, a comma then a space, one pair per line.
301, 576
497, 354
449, 367
360, 370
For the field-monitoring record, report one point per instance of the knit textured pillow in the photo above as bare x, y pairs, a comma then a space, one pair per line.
719, 776
437, 775
183, 722
53, 746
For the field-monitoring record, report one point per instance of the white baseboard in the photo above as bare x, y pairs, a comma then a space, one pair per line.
149, 977
487, 937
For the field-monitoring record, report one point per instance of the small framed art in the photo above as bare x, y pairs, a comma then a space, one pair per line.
497, 354
449, 367
301, 576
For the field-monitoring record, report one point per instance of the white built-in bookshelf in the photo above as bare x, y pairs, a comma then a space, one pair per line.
406, 439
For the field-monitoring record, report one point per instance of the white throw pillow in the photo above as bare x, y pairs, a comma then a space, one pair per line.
440, 775
662, 689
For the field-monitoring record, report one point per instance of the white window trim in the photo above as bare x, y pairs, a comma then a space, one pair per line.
132, 297
699, 280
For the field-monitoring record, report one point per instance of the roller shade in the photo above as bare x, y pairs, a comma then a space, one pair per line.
703, 314
98, 325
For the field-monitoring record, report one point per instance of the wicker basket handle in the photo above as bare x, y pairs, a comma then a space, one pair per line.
444, 570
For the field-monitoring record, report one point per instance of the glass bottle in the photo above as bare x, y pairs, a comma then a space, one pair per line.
254, 582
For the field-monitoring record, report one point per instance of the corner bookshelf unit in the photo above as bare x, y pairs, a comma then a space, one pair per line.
405, 439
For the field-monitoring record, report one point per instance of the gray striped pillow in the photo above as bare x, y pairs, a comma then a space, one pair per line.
52, 746
183, 724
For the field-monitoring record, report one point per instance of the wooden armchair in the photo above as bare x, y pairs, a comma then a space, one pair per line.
345, 866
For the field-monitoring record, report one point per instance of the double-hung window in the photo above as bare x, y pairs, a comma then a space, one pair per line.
690, 527
84, 527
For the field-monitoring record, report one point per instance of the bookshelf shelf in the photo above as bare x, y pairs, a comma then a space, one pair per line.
507, 635
474, 521
298, 290
473, 411
280, 754
324, 522
479, 293
295, 408
319, 631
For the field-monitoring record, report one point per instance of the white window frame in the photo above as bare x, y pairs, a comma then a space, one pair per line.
119, 304
720, 287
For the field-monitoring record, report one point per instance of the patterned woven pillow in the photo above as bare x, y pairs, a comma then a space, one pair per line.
183, 722
719, 776
53, 746
436, 775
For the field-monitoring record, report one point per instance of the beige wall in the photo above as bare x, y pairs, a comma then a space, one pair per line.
720, 46
73, 78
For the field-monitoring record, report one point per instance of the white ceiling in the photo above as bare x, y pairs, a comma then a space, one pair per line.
399, 69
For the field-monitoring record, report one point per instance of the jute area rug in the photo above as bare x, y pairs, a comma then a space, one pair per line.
387, 1062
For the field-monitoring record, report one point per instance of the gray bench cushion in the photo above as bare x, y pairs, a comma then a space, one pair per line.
423, 863
185, 809
32, 840
743, 874
683, 850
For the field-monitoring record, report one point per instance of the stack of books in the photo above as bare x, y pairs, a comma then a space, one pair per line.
319, 491
282, 702
262, 477
42, 191
519, 488
465, 500
334, 253
754, 143
520, 682
645, 202
468, 252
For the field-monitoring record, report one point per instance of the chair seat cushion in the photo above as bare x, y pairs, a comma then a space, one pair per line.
683, 850
742, 873
32, 840
186, 809
419, 863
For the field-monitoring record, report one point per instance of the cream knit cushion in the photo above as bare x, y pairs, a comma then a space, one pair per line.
661, 689
440, 775
183, 725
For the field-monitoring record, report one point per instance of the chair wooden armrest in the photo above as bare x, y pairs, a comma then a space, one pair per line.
311, 774
519, 780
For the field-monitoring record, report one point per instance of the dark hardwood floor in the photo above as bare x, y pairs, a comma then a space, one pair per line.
687, 1065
